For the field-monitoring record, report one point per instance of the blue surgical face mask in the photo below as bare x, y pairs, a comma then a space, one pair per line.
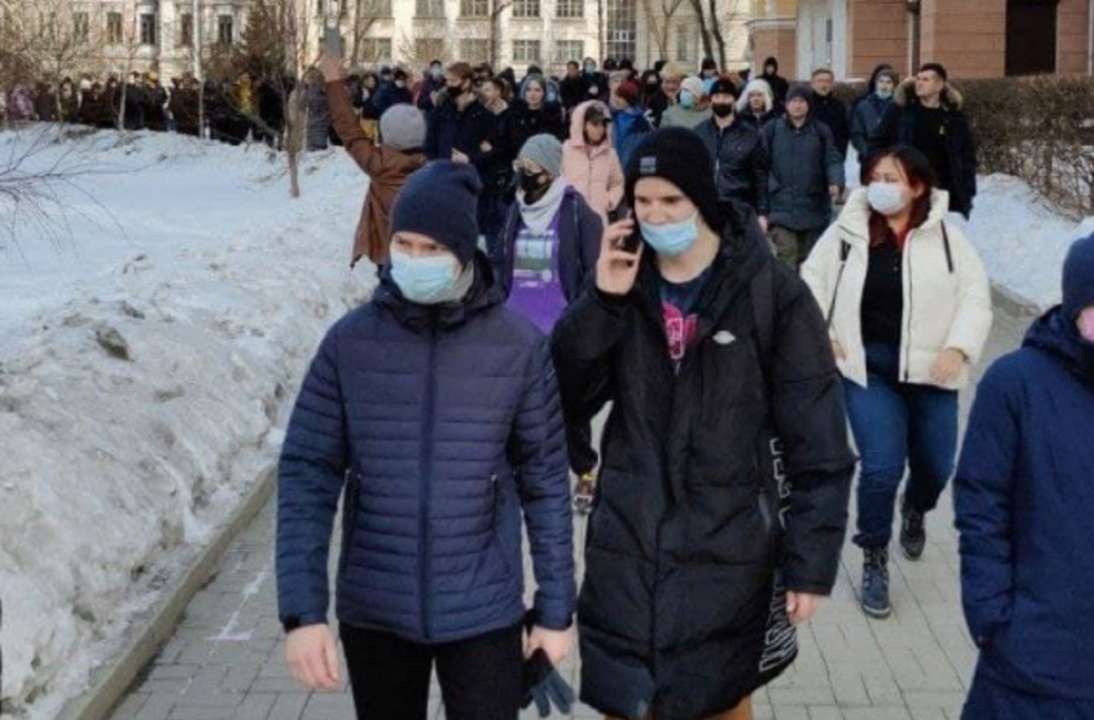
424, 280
671, 238
884, 94
687, 100
885, 197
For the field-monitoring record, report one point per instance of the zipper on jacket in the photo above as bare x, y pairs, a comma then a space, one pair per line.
425, 460
911, 306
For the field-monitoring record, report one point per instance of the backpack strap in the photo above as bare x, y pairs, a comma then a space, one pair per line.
844, 253
946, 243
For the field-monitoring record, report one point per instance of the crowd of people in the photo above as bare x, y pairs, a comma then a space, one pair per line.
683, 250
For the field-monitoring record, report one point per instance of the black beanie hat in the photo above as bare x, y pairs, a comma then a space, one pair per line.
724, 86
800, 90
679, 156
1079, 277
441, 201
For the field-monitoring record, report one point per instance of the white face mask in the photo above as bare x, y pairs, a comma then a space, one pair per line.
887, 198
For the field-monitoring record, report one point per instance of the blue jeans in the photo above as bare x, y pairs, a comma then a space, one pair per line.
896, 425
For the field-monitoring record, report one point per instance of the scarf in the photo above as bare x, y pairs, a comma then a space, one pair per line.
537, 217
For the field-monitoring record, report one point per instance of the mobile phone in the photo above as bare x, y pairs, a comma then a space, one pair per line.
631, 242
333, 46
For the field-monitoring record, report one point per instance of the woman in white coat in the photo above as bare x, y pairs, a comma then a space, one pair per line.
909, 309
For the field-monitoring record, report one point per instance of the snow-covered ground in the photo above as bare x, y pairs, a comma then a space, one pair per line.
191, 259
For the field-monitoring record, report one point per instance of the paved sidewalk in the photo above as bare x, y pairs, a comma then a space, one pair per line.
226, 661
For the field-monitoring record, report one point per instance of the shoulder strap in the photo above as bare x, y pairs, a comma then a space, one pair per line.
844, 253
946, 244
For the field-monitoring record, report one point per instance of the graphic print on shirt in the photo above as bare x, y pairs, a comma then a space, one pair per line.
680, 329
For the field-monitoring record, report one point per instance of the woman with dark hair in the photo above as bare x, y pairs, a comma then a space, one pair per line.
909, 308
533, 114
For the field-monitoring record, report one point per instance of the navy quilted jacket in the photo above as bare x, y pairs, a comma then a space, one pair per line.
441, 425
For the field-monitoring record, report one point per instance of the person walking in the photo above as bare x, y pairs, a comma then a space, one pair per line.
692, 108
459, 124
433, 411
870, 107
806, 177
909, 311
589, 160
532, 114
778, 84
1023, 501
828, 109
629, 123
707, 349
926, 114
740, 159
756, 105
496, 160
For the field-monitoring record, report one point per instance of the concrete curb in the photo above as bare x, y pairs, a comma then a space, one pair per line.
110, 684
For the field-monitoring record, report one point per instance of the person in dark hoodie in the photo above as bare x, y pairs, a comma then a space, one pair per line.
926, 114
708, 350
779, 86
459, 124
571, 88
1024, 500
393, 93
431, 84
433, 411
828, 109
870, 107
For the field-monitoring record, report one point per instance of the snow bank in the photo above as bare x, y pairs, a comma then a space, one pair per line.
146, 353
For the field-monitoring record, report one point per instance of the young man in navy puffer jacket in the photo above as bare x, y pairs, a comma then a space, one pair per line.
435, 410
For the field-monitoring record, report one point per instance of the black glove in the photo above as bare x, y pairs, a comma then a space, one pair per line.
544, 686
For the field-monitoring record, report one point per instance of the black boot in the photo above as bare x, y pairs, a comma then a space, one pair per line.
913, 536
875, 583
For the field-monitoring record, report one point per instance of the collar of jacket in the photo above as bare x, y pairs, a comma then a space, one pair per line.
854, 219
482, 296
1053, 334
904, 96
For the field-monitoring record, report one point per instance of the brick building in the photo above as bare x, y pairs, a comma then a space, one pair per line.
973, 38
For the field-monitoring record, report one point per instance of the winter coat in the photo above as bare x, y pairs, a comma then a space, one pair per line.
45, 104
319, 119
804, 163
155, 100
571, 91
947, 296
684, 540
522, 122
451, 129
443, 424
779, 88
865, 118
595, 171
679, 116
830, 111
426, 88
898, 127
20, 104
579, 234
387, 169
136, 100
1024, 500
758, 123
740, 162
184, 106
389, 94
628, 128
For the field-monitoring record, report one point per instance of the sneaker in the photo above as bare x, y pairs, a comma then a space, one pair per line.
584, 492
913, 536
875, 583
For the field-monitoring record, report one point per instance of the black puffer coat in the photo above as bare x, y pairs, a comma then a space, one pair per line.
681, 610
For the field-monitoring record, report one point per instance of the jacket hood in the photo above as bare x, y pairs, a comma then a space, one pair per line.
577, 124
483, 295
904, 96
855, 217
1052, 333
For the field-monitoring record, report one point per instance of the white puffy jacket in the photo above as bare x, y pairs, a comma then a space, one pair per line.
947, 298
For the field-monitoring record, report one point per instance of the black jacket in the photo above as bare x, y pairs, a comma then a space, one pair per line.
685, 551
522, 122
450, 129
898, 127
740, 162
571, 91
831, 112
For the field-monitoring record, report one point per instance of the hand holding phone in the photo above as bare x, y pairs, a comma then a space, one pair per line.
617, 267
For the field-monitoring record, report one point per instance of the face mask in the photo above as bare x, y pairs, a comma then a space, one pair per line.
886, 198
530, 184
722, 110
671, 238
423, 280
590, 69
1086, 325
436, 73
400, 84
687, 100
884, 94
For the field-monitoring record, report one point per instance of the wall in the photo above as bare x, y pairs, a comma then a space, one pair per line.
967, 36
877, 33
1071, 39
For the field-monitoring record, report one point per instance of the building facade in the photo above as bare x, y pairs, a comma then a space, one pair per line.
973, 38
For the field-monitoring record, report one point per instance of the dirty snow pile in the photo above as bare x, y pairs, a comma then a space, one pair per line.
151, 337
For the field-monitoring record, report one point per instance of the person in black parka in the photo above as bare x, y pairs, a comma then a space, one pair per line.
725, 397
827, 108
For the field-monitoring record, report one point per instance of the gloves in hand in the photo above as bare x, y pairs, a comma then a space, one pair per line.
544, 686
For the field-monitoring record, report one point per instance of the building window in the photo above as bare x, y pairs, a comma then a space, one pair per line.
343, 9
81, 27
474, 8
526, 8
622, 29
429, 8
225, 28
376, 49
474, 50
319, 8
428, 49
375, 8
147, 28
186, 30
567, 50
114, 28
683, 44
571, 8
526, 51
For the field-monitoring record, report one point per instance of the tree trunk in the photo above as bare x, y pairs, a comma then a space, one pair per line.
356, 33
296, 123
600, 29
121, 106
716, 30
704, 31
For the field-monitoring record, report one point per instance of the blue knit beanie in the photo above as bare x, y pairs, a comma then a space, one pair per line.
1079, 277
440, 201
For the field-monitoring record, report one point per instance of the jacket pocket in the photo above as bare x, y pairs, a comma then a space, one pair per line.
350, 504
499, 527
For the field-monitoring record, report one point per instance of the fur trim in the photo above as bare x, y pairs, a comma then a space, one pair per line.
905, 95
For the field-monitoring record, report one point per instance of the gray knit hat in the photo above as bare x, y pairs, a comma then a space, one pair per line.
544, 150
402, 127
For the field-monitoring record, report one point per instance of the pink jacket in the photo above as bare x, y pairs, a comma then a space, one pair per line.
594, 170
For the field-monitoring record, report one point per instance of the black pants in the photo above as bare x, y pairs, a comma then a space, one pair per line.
579, 443
480, 677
